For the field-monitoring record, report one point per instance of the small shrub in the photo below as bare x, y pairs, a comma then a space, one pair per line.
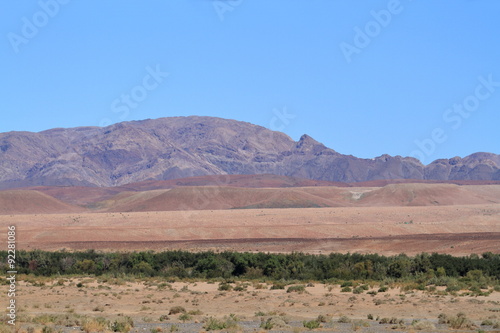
346, 290
95, 325
195, 312
344, 320
225, 287
99, 308
459, 321
48, 329
487, 322
312, 324
273, 322
185, 317
383, 289
123, 325
278, 285
214, 324
358, 290
357, 324
423, 325
323, 319
298, 289
176, 309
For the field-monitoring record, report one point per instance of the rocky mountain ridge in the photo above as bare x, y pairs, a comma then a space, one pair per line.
177, 147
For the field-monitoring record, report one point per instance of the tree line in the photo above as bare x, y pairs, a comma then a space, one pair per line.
293, 266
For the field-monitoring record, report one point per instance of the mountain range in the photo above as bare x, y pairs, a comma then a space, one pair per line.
179, 147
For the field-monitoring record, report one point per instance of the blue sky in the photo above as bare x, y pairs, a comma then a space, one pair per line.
419, 78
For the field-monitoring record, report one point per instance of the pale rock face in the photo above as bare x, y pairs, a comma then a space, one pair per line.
177, 147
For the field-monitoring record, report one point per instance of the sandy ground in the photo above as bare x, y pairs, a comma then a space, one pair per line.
146, 301
458, 230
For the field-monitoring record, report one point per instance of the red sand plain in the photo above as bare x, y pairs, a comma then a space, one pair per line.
410, 218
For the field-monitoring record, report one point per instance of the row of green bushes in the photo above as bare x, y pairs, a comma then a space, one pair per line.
296, 266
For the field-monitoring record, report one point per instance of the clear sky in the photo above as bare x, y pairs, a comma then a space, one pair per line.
418, 78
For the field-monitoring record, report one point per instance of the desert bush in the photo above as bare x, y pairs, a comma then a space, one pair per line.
459, 321
357, 290
392, 320
344, 320
123, 325
298, 289
99, 308
185, 317
423, 325
273, 323
323, 319
312, 324
357, 324
98, 324
177, 309
487, 322
195, 312
278, 285
223, 286
346, 290
214, 324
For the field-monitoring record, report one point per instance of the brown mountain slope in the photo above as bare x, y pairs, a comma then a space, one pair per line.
212, 197
32, 202
430, 194
178, 147
216, 198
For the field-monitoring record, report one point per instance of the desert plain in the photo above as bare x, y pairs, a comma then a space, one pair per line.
406, 218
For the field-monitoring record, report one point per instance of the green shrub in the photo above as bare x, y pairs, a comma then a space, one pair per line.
225, 286
298, 289
312, 324
214, 324
123, 325
346, 284
357, 290
185, 317
278, 285
346, 290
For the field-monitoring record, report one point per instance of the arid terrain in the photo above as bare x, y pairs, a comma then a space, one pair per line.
395, 218
150, 304
260, 213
